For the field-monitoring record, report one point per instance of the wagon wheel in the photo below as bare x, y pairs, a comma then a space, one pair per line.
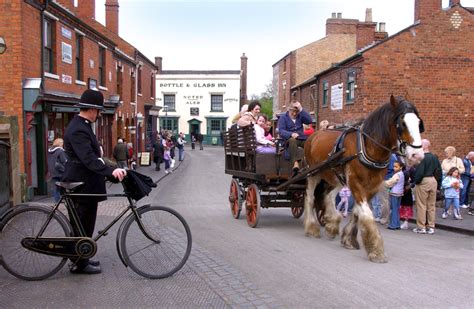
297, 212
235, 198
252, 205
319, 209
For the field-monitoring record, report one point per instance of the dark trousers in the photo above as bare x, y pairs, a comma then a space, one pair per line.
87, 213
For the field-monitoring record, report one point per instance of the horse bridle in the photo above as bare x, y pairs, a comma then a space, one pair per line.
403, 144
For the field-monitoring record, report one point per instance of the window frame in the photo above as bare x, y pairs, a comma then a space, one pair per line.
325, 100
350, 87
215, 104
102, 64
119, 81
79, 57
132, 86
171, 104
139, 81
49, 46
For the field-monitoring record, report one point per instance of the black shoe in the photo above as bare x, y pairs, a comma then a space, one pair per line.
87, 270
94, 262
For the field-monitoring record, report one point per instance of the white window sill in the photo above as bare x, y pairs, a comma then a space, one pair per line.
50, 75
80, 82
103, 88
140, 95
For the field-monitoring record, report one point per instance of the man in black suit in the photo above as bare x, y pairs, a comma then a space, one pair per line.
86, 165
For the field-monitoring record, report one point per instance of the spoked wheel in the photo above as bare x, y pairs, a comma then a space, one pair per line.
24, 222
298, 197
319, 210
235, 198
162, 249
297, 211
252, 205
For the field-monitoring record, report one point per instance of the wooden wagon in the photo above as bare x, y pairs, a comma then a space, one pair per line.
264, 180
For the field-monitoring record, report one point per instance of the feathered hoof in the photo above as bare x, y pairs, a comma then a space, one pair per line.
332, 230
377, 258
313, 231
349, 244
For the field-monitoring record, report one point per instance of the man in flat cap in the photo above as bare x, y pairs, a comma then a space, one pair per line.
86, 165
290, 128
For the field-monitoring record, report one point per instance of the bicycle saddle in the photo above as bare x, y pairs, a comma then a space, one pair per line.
69, 185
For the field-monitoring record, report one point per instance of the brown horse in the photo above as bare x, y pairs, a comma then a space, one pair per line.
367, 149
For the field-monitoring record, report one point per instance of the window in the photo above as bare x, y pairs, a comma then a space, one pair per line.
350, 91
216, 103
216, 125
48, 47
79, 72
170, 101
132, 86
102, 66
152, 86
139, 86
119, 81
169, 123
325, 93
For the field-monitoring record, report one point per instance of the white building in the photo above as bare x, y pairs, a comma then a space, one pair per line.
200, 101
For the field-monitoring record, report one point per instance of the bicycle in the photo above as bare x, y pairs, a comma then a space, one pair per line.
37, 240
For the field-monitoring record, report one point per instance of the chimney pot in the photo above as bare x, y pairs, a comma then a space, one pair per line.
368, 15
333, 15
339, 15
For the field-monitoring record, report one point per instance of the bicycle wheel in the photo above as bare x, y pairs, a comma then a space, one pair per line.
166, 252
23, 222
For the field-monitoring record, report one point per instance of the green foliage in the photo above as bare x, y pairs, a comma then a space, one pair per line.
267, 107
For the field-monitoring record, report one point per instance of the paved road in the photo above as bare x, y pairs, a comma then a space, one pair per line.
274, 265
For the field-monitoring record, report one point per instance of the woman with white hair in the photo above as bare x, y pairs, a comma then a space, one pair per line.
451, 161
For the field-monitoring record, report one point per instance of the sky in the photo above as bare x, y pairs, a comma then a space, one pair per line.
213, 34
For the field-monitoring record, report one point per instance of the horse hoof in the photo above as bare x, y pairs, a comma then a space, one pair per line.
313, 232
377, 258
332, 231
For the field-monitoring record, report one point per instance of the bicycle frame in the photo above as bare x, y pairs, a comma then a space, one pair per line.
76, 224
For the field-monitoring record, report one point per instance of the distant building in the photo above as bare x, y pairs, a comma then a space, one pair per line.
430, 62
343, 38
199, 101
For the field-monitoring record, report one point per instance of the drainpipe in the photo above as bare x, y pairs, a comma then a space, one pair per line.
137, 65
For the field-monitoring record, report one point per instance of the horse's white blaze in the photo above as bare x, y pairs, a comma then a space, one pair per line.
412, 122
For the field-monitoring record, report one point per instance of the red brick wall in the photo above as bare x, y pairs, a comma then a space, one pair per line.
365, 34
86, 9
431, 64
341, 26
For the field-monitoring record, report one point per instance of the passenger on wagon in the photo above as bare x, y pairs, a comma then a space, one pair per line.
290, 127
263, 145
250, 117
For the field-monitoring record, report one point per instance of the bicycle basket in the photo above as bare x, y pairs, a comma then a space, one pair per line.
137, 185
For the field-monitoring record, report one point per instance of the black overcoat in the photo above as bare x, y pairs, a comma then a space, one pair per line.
84, 161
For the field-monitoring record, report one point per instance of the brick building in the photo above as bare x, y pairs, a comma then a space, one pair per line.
431, 62
56, 50
343, 38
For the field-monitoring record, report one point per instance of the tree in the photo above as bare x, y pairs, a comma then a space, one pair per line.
266, 100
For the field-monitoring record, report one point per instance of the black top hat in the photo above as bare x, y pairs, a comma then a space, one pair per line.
91, 99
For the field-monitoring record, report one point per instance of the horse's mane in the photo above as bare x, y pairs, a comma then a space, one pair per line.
375, 124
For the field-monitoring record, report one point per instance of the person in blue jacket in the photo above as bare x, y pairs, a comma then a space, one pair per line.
290, 127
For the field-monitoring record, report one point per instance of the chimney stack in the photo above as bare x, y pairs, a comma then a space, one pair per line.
112, 15
243, 79
424, 9
86, 9
368, 15
159, 63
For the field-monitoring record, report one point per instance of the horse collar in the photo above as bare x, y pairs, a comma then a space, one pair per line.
364, 157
